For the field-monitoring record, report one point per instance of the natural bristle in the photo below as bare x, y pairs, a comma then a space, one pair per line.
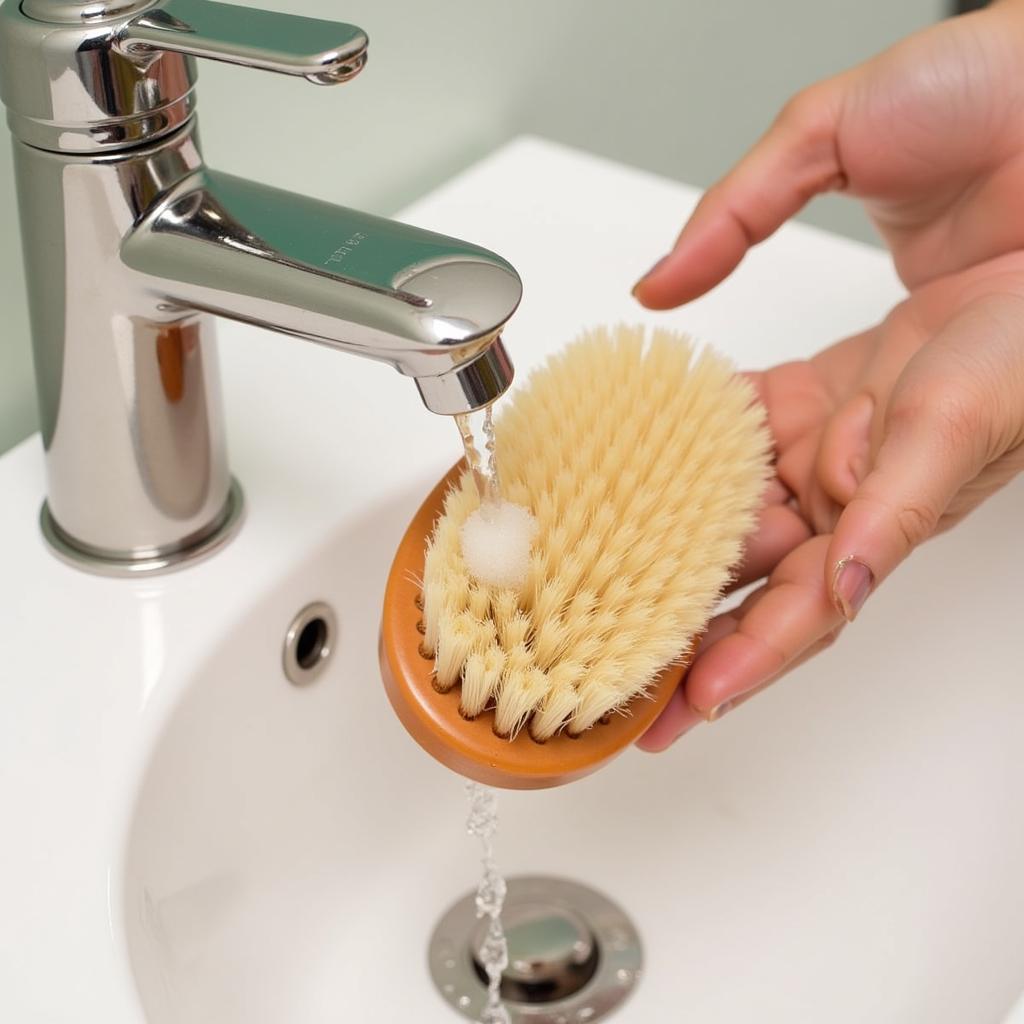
642, 463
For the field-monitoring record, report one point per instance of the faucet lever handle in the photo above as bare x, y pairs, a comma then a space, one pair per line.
325, 52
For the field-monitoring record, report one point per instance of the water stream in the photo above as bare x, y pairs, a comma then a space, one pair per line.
490, 898
477, 428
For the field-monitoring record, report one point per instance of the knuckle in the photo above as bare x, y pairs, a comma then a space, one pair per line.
953, 413
916, 522
960, 420
912, 519
806, 113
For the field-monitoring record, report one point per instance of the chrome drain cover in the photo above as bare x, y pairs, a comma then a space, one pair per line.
574, 956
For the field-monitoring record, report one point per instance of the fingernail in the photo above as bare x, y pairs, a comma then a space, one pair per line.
851, 584
723, 709
736, 700
648, 274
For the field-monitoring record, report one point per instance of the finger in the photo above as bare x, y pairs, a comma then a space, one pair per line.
842, 365
796, 159
776, 493
792, 612
796, 400
937, 434
842, 460
677, 717
780, 530
822, 511
860, 373
812, 652
798, 470
795, 468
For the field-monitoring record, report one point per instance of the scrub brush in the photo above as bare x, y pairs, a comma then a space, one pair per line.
643, 463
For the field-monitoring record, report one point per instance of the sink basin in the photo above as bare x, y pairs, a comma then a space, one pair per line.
191, 838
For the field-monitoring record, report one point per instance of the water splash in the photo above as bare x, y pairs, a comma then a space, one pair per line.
490, 898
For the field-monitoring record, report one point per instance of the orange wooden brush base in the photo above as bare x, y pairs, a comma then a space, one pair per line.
471, 748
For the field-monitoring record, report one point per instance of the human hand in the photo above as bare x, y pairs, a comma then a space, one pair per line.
930, 134
881, 441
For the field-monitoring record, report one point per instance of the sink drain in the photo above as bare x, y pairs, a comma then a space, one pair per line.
574, 956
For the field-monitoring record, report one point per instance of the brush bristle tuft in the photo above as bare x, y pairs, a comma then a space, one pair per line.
643, 463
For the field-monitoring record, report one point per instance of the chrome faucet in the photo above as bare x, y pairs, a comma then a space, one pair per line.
132, 246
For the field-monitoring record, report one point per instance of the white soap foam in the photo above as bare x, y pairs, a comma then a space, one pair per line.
496, 541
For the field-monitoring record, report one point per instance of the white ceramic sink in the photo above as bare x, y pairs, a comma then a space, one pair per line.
188, 838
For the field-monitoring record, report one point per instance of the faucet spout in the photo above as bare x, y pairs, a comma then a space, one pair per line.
431, 306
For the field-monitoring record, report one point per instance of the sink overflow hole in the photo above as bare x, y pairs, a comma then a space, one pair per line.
309, 643
310, 646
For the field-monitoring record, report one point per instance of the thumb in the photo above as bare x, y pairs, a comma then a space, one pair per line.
937, 435
797, 158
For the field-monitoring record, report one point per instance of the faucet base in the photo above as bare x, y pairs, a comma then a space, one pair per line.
153, 561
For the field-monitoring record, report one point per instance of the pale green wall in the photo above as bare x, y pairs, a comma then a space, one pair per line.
676, 86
